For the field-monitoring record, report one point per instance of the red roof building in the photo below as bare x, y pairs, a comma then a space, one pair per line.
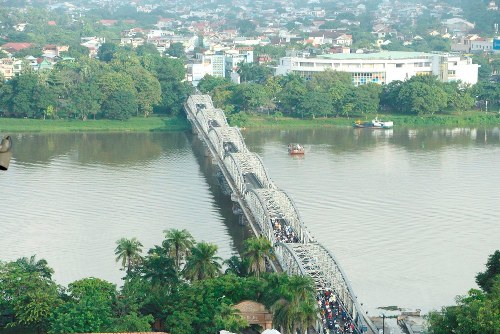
15, 47
52, 23
108, 23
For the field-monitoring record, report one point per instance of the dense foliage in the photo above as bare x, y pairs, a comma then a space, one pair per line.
177, 287
332, 93
478, 311
123, 85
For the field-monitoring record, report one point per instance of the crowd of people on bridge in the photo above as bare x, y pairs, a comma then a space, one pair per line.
333, 315
283, 232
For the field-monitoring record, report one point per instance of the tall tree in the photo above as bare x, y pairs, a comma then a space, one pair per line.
32, 265
159, 268
89, 308
251, 96
237, 266
486, 278
203, 262
128, 251
422, 95
179, 243
28, 296
257, 251
176, 50
107, 51
297, 309
120, 105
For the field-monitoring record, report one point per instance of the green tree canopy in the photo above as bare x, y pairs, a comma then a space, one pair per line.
176, 50
89, 308
128, 251
257, 251
107, 51
27, 294
486, 279
477, 312
202, 262
179, 244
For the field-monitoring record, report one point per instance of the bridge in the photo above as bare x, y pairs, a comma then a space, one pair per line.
269, 210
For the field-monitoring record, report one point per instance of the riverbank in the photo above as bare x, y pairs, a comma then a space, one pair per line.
179, 123
134, 124
472, 118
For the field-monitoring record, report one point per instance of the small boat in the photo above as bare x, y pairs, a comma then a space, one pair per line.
295, 149
374, 124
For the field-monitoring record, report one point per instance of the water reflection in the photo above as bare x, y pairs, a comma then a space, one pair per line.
347, 139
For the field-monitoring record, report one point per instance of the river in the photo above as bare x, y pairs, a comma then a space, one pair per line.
410, 214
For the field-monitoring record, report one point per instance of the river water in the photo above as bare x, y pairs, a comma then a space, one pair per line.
411, 215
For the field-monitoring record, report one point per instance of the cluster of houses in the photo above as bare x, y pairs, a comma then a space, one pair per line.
215, 48
11, 66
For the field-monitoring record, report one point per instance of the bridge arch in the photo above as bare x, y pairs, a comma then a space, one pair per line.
259, 209
244, 164
279, 205
224, 137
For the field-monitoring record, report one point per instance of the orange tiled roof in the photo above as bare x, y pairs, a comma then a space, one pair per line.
16, 46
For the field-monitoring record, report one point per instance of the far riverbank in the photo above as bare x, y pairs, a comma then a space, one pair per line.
134, 124
255, 121
472, 118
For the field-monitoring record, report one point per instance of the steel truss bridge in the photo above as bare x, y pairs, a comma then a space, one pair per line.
264, 205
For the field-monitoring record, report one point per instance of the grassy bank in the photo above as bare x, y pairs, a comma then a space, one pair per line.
140, 124
135, 124
473, 118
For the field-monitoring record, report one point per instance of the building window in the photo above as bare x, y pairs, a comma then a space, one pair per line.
399, 65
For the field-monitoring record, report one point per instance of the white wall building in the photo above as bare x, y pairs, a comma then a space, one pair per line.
385, 67
218, 63
196, 71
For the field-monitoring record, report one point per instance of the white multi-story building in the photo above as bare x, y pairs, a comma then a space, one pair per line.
196, 71
217, 59
234, 57
385, 67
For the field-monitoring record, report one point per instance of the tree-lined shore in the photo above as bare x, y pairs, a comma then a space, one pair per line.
178, 286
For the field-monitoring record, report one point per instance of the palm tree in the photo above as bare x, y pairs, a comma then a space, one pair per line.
178, 243
229, 318
297, 308
237, 266
299, 288
31, 265
202, 263
308, 315
284, 315
257, 250
159, 268
128, 251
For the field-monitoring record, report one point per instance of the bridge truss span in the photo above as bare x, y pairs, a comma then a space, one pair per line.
269, 210
227, 139
246, 164
274, 205
317, 262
